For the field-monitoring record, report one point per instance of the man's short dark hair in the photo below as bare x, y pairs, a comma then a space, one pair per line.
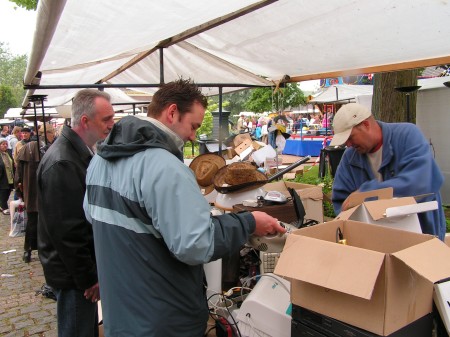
182, 92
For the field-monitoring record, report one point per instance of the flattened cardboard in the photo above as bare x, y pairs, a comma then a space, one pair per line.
377, 208
243, 146
357, 198
238, 139
311, 196
402, 286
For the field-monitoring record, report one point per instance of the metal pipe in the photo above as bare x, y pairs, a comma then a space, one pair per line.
289, 168
220, 121
135, 85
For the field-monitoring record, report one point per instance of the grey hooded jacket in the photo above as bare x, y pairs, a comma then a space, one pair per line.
153, 231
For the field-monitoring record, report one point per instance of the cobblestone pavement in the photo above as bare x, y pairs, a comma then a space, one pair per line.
22, 313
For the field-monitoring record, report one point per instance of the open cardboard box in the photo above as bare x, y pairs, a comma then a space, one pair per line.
400, 213
311, 196
380, 281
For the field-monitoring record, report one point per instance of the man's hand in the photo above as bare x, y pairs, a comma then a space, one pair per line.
347, 202
92, 293
266, 224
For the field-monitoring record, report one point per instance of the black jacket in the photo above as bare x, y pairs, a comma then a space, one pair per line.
65, 239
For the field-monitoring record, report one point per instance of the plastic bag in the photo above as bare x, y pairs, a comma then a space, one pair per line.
18, 221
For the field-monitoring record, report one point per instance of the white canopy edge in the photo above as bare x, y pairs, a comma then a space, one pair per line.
83, 41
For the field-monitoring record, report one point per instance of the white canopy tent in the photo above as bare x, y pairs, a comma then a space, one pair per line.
341, 93
247, 42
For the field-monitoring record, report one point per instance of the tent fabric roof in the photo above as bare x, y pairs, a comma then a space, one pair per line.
341, 92
235, 41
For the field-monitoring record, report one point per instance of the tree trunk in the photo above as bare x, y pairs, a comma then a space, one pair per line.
389, 105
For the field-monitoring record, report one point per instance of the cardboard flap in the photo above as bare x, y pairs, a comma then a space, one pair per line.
377, 208
430, 259
345, 215
357, 198
411, 209
342, 268
314, 193
305, 191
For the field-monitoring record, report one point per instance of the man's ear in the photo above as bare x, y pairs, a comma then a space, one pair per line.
170, 113
84, 121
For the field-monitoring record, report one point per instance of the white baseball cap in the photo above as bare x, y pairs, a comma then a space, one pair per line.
345, 119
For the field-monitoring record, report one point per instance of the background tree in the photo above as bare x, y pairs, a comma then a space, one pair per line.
264, 99
12, 71
388, 104
236, 100
7, 99
27, 4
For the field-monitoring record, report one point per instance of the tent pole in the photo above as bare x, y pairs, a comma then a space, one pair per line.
220, 121
161, 65
40, 99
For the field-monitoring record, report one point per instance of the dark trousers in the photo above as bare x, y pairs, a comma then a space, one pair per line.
4, 196
77, 317
31, 232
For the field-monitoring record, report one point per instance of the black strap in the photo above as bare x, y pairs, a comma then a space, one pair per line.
298, 206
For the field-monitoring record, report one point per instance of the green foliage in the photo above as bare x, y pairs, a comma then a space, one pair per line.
207, 124
7, 99
237, 101
12, 71
447, 217
311, 176
264, 99
206, 127
27, 4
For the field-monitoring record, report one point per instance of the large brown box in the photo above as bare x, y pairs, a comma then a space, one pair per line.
380, 281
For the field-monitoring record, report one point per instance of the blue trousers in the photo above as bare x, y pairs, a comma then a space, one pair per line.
77, 317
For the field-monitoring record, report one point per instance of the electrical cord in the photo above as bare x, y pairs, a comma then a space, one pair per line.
216, 307
208, 331
251, 325
266, 275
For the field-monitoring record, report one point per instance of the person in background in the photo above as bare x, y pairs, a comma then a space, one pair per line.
264, 131
5, 131
380, 155
6, 176
14, 138
65, 239
46, 136
153, 226
27, 161
258, 131
240, 124
26, 138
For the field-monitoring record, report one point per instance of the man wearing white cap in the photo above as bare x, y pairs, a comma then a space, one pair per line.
380, 155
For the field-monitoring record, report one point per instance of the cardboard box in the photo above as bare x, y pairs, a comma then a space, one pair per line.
381, 281
238, 139
311, 196
258, 145
400, 213
243, 146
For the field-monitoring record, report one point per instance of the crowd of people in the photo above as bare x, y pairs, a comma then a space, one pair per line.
113, 206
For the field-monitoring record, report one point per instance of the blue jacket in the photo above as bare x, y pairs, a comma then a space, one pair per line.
153, 231
407, 166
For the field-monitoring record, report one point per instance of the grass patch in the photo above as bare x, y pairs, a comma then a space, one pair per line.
311, 176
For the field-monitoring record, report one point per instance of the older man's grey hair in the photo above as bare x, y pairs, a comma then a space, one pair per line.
84, 104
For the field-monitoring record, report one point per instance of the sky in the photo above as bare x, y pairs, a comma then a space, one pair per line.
16, 27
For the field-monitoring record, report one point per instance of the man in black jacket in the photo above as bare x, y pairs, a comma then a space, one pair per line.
65, 239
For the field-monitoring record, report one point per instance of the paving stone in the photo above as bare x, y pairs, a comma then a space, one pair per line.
21, 312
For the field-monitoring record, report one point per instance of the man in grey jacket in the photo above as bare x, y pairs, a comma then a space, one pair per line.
153, 229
